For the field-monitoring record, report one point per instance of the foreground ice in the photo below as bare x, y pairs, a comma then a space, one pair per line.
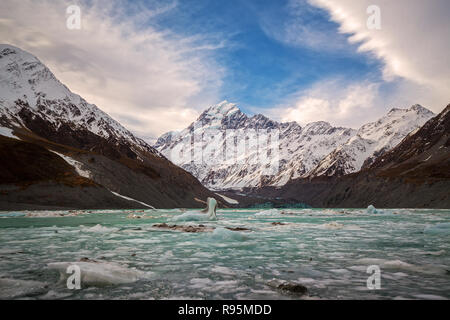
222, 234
99, 273
326, 250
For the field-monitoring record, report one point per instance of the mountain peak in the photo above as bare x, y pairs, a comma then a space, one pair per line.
222, 114
14, 54
417, 108
29, 87
222, 109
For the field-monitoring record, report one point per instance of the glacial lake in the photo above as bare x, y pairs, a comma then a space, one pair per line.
328, 251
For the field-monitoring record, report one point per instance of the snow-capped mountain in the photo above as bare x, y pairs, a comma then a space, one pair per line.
29, 88
78, 144
313, 150
414, 174
373, 140
297, 151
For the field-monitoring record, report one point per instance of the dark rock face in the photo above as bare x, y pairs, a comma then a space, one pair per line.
34, 178
415, 174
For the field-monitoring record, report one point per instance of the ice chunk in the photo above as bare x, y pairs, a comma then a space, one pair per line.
99, 273
12, 214
222, 234
372, 210
404, 266
191, 216
209, 213
271, 212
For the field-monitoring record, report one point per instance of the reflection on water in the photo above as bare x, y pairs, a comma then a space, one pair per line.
122, 256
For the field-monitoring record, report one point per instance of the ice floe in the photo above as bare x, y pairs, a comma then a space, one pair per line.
99, 273
223, 234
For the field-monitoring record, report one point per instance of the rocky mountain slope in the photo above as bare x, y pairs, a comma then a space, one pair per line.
36, 108
415, 174
373, 140
317, 149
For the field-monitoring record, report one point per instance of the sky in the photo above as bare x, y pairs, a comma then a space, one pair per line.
156, 65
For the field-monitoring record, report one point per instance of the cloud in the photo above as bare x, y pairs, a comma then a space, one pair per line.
334, 101
303, 26
148, 78
412, 43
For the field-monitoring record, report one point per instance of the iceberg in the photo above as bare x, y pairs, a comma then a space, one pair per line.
372, 210
209, 213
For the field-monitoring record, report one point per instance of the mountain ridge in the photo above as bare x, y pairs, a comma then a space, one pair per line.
315, 149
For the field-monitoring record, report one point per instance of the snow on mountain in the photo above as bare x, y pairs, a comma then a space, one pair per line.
314, 150
295, 153
6, 132
26, 83
373, 140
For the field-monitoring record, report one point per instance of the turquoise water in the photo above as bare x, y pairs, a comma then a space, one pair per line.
328, 251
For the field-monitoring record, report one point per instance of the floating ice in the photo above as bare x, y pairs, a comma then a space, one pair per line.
372, 210
271, 212
222, 234
101, 229
54, 214
14, 288
191, 216
404, 266
440, 228
99, 273
12, 215
209, 213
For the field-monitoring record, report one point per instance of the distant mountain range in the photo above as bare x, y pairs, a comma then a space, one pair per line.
317, 149
414, 174
59, 151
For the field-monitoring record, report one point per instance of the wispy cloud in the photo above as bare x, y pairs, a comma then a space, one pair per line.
412, 43
148, 78
412, 47
304, 26
333, 100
